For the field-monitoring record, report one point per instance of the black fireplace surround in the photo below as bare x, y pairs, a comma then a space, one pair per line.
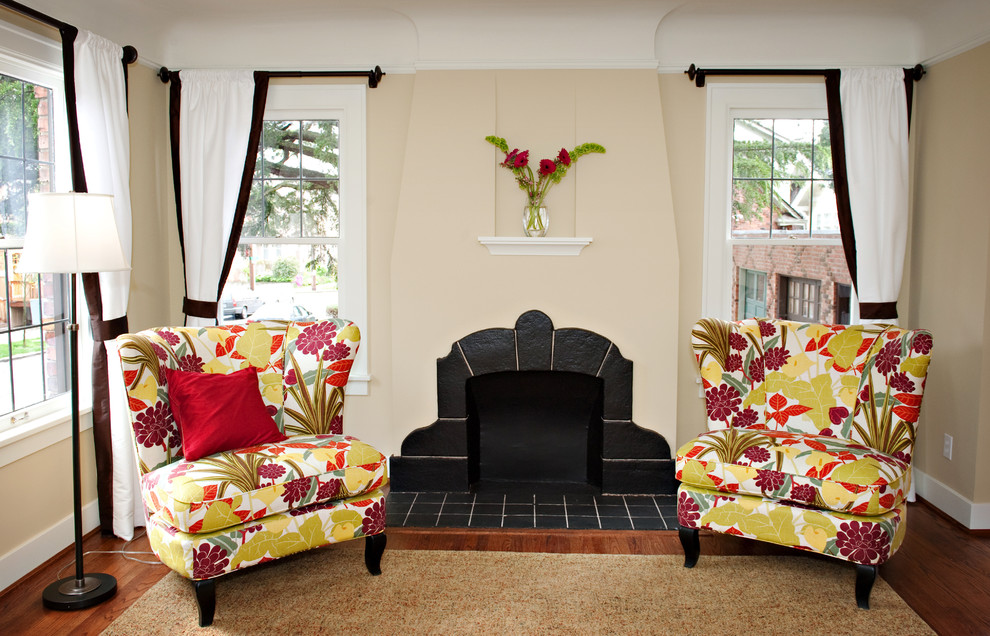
534, 404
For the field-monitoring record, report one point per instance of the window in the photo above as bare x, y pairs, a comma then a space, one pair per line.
302, 251
770, 205
33, 308
752, 294
799, 299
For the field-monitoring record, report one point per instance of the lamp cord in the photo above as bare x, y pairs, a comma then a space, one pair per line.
124, 552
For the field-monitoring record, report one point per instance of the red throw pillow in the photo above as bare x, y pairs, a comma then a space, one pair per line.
217, 412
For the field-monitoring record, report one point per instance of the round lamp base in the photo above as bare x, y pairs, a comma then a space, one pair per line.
68, 594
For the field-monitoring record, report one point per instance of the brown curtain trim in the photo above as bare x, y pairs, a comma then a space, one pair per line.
174, 102
200, 308
247, 176
878, 311
104, 330
840, 179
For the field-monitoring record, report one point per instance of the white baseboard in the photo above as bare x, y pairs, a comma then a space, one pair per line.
975, 516
32, 553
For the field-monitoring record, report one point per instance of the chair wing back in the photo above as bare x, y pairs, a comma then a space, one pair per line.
318, 354
862, 383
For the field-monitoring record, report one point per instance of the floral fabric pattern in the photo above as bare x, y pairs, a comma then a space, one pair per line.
208, 555
252, 483
246, 506
811, 431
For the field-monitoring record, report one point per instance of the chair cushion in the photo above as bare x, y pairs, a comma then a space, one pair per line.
217, 412
812, 470
233, 487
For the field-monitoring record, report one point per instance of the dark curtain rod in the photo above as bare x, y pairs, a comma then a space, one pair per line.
374, 75
129, 56
699, 74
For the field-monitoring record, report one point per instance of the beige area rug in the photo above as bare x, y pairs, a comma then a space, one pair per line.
329, 591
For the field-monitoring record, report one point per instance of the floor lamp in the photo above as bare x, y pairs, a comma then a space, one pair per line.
73, 233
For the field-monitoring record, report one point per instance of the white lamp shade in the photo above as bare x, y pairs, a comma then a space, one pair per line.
73, 232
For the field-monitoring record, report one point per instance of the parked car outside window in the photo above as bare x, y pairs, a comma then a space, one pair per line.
240, 307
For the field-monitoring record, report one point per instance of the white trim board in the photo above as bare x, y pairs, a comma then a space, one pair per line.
975, 516
23, 559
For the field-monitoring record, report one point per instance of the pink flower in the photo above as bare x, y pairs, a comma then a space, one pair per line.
521, 159
564, 157
510, 157
547, 167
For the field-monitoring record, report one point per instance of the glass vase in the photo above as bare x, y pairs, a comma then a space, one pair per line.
536, 220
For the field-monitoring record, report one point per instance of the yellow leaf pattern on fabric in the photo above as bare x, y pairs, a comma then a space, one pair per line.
217, 365
361, 454
350, 332
776, 527
817, 395
255, 345
844, 346
272, 383
820, 521
796, 365
221, 515
712, 373
861, 472
277, 525
311, 531
742, 473
147, 390
815, 332
356, 479
836, 496
775, 382
815, 537
262, 544
756, 397
171, 554
695, 473
265, 495
343, 531
916, 366
186, 489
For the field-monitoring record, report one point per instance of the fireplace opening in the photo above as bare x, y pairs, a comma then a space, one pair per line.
534, 427
534, 405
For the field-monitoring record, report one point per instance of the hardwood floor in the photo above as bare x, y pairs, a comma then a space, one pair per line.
941, 570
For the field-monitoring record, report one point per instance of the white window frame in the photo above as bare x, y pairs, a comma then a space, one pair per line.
348, 104
727, 102
32, 58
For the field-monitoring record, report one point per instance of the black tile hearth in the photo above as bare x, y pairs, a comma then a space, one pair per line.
489, 509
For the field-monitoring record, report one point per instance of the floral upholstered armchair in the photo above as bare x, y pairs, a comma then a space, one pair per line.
811, 429
238, 432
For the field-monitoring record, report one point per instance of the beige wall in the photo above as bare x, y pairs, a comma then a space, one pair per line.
949, 267
445, 285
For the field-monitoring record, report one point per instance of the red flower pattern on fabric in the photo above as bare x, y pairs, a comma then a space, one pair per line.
733, 363
769, 480
756, 370
865, 543
767, 329
688, 512
315, 337
374, 520
169, 337
775, 358
209, 561
722, 402
922, 344
757, 455
901, 382
191, 362
295, 490
747, 417
803, 492
889, 357
738, 341
154, 426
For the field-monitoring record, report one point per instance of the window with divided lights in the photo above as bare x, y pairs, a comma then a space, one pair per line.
33, 308
302, 250
799, 299
770, 205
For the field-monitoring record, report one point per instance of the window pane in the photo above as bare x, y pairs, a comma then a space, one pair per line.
321, 151
793, 141
752, 148
281, 208
750, 208
823, 150
321, 204
281, 282
28, 366
824, 213
13, 204
279, 150
11, 117
791, 204
254, 216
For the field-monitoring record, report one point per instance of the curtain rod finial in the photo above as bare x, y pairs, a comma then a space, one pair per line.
163, 75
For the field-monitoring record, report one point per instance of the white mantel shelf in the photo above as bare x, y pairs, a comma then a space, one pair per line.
533, 246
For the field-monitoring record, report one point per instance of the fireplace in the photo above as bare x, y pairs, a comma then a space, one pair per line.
534, 405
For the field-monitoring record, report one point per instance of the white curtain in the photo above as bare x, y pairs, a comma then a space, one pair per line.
214, 125
874, 115
101, 109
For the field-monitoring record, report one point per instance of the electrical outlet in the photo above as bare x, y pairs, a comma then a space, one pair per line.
947, 446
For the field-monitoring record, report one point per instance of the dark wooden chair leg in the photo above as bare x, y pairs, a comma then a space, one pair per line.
866, 575
374, 547
206, 598
691, 545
